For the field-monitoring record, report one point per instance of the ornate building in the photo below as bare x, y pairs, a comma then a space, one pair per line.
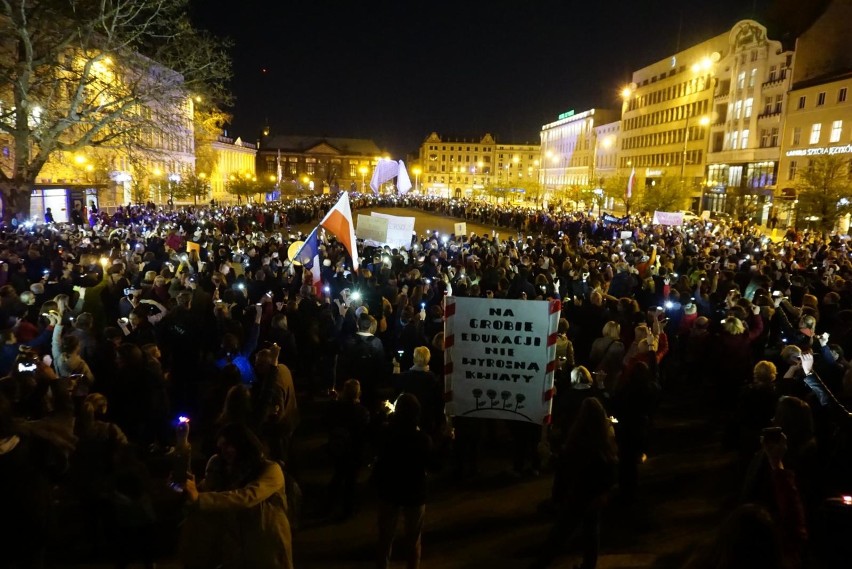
232, 159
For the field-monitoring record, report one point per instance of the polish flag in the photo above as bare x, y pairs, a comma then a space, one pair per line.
338, 221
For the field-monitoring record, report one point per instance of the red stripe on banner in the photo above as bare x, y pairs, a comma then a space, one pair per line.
449, 341
548, 395
551, 366
448, 396
551, 340
448, 368
546, 420
555, 306
450, 310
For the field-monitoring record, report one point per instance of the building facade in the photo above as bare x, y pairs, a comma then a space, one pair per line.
665, 115
458, 168
578, 151
233, 158
752, 77
315, 164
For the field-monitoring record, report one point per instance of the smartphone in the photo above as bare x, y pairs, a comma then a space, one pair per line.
124, 320
399, 353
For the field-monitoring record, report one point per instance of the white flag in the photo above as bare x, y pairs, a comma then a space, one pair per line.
385, 170
403, 182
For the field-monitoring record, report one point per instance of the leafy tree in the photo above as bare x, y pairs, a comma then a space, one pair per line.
76, 75
616, 186
208, 122
195, 187
824, 191
244, 187
669, 194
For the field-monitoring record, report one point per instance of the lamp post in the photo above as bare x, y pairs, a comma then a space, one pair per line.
417, 171
363, 171
703, 121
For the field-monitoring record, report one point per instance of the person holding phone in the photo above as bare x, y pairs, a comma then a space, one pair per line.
238, 512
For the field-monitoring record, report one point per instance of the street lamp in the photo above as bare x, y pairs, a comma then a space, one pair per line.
363, 171
703, 121
417, 171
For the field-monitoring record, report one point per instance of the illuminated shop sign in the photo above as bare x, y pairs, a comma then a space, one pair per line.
566, 114
822, 150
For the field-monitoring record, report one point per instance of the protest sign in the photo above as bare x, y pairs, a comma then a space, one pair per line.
500, 357
193, 246
372, 229
626, 234
461, 229
668, 218
399, 229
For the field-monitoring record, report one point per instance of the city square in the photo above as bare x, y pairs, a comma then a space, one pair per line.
593, 310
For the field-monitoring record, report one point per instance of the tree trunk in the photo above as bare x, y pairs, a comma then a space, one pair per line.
16, 199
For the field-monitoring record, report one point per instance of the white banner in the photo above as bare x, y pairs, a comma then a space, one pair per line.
461, 228
499, 358
372, 229
668, 218
399, 229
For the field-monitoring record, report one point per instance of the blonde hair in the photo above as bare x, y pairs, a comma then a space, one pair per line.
581, 376
764, 372
421, 356
733, 325
612, 329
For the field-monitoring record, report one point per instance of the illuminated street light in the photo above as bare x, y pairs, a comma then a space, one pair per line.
363, 171
417, 171
80, 159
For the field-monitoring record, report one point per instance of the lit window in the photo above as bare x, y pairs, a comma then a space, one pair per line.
738, 107
744, 140
836, 127
752, 78
741, 79
735, 137
815, 130
748, 104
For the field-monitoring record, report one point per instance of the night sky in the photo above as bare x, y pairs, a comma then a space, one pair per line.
395, 71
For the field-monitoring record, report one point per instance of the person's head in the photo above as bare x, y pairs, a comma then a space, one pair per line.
407, 411
733, 325
130, 357
764, 372
70, 345
351, 391
365, 322
238, 446
807, 322
184, 299
152, 351
84, 321
794, 417
562, 327
592, 432
612, 329
279, 321
28, 298
264, 360
421, 356
438, 341
791, 355
237, 407
581, 377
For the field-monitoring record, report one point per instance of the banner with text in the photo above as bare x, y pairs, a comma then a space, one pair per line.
399, 229
500, 357
668, 218
373, 230
461, 229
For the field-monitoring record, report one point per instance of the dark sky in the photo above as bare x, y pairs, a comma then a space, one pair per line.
395, 71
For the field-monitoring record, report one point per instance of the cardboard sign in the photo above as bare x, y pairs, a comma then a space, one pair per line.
193, 246
461, 228
372, 229
399, 229
500, 357
626, 234
668, 218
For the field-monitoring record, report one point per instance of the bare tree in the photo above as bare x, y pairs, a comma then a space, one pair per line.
112, 74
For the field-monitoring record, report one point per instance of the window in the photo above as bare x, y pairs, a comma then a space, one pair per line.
767, 105
778, 100
752, 78
741, 79
797, 135
748, 104
841, 95
821, 99
815, 130
764, 138
791, 173
744, 141
735, 136
773, 70
802, 100
773, 138
738, 107
836, 128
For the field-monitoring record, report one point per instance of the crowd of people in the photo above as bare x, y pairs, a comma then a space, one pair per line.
140, 343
